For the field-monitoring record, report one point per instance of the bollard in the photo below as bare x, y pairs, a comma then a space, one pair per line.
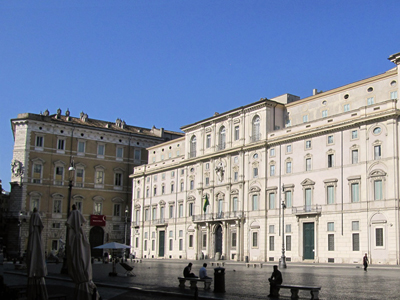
219, 280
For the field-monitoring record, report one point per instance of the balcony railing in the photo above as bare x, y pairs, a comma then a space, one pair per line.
159, 221
218, 216
221, 146
192, 154
256, 137
307, 209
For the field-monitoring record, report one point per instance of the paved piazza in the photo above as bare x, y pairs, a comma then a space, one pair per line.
337, 281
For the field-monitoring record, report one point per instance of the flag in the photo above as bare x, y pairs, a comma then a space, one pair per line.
206, 203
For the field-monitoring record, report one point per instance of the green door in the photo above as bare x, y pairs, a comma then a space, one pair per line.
161, 243
308, 240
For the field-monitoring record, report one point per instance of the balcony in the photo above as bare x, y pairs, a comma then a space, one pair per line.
221, 146
233, 215
192, 154
255, 138
307, 210
159, 222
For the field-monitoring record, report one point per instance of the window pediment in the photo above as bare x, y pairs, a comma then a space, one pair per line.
254, 225
255, 189
100, 167
377, 173
38, 160
307, 182
98, 198
78, 197
234, 191
117, 200
57, 195
59, 162
34, 193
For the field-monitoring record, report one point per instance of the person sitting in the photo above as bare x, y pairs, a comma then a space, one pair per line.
274, 280
203, 272
187, 271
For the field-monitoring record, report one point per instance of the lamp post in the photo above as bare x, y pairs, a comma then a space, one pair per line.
282, 261
71, 171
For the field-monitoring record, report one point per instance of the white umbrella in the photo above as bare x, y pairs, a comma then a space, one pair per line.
37, 269
79, 258
113, 245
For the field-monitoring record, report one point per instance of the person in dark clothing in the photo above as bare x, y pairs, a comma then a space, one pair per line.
187, 271
274, 280
365, 262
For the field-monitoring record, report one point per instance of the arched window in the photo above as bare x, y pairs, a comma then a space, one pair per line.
222, 138
193, 146
255, 129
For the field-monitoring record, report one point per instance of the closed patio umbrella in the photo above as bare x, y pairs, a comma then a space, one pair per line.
79, 258
36, 264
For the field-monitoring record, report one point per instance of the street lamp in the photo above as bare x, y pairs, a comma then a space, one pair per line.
71, 172
282, 261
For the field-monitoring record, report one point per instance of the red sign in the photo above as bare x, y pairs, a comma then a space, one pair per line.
97, 220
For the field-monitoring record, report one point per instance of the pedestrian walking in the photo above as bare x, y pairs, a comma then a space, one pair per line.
365, 262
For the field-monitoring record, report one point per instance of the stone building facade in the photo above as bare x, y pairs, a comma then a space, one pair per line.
317, 176
102, 156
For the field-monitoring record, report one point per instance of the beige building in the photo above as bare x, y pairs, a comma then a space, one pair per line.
331, 159
102, 155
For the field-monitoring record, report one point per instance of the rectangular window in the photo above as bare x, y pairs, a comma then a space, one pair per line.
308, 199
288, 228
377, 152
272, 152
288, 197
235, 204
354, 134
207, 166
59, 175
137, 154
330, 194
330, 139
346, 107
308, 164
208, 141
118, 179
233, 244
204, 241
57, 206
236, 133
271, 201
271, 229
331, 242
81, 147
355, 225
180, 244
37, 173
39, 142
235, 176
288, 167
172, 187
153, 245
191, 212
354, 156
308, 144
288, 148
120, 152
191, 241
154, 213
255, 239
272, 170
331, 226
324, 113
180, 210
162, 190
379, 237
356, 241
117, 210
98, 208
155, 191
288, 243
100, 150
191, 184
255, 172
271, 243
99, 177
171, 211
330, 160
255, 202
145, 245
305, 119
355, 192
393, 95
370, 100
61, 145
146, 214
182, 186
378, 195
207, 181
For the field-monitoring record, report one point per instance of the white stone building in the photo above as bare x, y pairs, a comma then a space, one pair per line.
331, 158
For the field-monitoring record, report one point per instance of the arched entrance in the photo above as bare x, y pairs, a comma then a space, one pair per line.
218, 239
96, 238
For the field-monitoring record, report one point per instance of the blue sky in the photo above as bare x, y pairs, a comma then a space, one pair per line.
172, 63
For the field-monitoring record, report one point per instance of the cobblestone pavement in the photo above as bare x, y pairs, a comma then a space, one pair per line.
158, 279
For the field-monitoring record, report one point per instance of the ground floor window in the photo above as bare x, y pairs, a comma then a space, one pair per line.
288, 243
331, 242
356, 242
271, 243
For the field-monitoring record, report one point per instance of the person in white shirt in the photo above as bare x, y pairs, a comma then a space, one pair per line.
203, 272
